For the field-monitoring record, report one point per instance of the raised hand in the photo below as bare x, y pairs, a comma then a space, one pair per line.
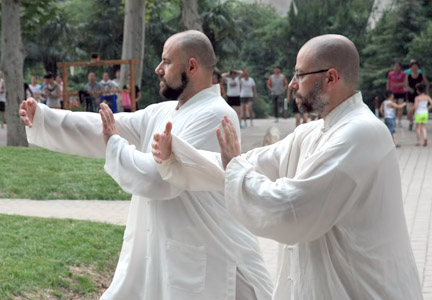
229, 144
109, 127
27, 111
162, 144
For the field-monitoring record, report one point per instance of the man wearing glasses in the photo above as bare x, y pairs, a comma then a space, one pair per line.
331, 189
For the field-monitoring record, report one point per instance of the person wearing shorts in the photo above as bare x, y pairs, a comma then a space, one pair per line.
233, 90
247, 94
388, 110
422, 104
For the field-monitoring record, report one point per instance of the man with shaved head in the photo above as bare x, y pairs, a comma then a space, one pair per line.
177, 244
331, 189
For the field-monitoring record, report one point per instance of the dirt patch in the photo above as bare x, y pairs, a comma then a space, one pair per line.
100, 281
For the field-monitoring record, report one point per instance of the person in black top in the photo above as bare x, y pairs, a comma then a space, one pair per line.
410, 82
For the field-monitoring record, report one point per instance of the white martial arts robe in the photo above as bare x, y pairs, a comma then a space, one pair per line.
332, 190
177, 244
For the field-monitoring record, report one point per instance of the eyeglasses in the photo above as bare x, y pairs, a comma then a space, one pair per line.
298, 76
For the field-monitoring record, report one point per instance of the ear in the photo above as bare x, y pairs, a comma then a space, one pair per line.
332, 77
192, 66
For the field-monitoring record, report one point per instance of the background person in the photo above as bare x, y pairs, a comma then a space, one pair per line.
247, 95
387, 109
217, 79
59, 82
35, 87
92, 101
422, 105
277, 84
52, 92
395, 83
295, 109
108, 98
410, 84
233, 90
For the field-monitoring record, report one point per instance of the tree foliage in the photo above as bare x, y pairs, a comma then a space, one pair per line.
245, 35
390, 41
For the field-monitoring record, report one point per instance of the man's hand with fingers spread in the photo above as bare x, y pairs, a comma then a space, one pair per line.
162, 144
229, 145
109, 127
27, 111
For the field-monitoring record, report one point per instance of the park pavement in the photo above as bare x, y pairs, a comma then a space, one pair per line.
416, 172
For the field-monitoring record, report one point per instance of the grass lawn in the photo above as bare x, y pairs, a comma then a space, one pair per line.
33, 173
56, 259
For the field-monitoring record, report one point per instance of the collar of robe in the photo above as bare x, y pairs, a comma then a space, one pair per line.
339, 111
208, 93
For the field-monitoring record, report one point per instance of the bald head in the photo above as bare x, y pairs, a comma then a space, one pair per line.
196, 44
334, 51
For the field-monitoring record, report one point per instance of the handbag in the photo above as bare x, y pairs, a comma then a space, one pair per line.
126, 100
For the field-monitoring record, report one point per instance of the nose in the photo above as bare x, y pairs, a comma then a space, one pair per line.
293, 85
159, 69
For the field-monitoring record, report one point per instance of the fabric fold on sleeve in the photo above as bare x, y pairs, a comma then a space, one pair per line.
136, 171
191, 169
290, 210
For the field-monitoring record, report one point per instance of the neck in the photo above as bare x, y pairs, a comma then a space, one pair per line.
191, 90
336, 100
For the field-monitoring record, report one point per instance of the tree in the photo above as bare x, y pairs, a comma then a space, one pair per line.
390, 41
12, 65
190, 18
421, 49
133, 37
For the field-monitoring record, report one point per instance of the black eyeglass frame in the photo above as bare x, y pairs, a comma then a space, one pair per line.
297, 76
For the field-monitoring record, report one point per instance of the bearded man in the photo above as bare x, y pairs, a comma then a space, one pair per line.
331, 189
177, 244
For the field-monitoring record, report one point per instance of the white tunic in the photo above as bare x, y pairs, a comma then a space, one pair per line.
177, 244
332, 190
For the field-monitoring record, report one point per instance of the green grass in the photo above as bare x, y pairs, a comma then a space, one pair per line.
33, 173
56, 259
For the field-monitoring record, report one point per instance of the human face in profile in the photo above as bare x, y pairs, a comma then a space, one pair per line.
171, 71
307, 85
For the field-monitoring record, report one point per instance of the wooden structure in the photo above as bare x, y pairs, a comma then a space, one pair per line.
131, 62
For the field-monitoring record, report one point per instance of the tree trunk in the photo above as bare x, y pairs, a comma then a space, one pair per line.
50, 65
190, 18
12, 66
133, 38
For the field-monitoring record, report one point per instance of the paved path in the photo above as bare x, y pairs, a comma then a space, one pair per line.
415, 166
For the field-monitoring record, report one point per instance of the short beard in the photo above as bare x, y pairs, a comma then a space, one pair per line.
312, 102
171, 93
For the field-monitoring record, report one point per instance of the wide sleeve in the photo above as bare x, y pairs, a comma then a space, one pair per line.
78, 133
191, 169
298, 209
198, 170
136, 171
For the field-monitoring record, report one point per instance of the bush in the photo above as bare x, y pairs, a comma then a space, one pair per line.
261, 108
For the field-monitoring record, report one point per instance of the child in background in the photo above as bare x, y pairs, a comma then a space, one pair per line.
388, 110
422, 112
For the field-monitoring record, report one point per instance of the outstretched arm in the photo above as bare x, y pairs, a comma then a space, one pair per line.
77, 133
